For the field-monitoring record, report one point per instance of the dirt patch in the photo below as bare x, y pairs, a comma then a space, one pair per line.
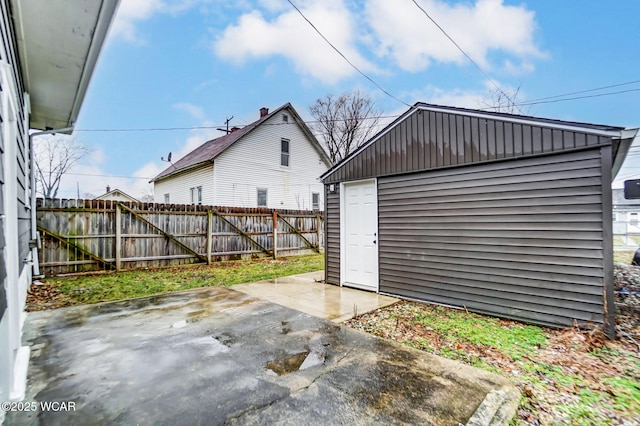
46, 295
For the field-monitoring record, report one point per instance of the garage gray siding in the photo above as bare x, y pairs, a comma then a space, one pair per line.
428, 140
332, 235
520, 239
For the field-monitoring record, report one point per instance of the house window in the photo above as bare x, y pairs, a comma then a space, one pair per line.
166, 198
262, 197
284, 152
633, 219
315, 201
196, 195
285, 118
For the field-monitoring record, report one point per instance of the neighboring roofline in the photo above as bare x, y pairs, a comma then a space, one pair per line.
314, 141
183, 170
305, 129
597, 129
116, 190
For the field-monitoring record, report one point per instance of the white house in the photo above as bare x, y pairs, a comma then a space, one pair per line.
274, 162
48, 51
626, 214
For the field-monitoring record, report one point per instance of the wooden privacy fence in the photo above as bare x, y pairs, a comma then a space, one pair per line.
93, 235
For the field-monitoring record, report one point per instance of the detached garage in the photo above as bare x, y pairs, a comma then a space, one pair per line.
502, 214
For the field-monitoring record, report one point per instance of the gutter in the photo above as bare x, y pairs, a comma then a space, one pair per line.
103, 23
627, 137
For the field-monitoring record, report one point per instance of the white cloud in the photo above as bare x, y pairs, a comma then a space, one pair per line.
475, 98
132, 12
406, 35
290, 36
193, 110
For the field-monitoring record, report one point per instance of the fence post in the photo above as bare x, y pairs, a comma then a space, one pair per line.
118, 237
209, 229
318, 230
275, 234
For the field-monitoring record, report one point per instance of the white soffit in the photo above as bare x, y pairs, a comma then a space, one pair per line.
58, 44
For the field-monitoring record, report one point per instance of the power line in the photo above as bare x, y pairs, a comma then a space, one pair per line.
111, 176
344, 57
576, 97
164, 129
585, 91
466, 55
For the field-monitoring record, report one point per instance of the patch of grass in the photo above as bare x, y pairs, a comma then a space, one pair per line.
623, 256
626, 392
122, 285
514, 340
564, 377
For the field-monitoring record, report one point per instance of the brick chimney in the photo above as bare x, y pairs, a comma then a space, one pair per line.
108, 188
264, 111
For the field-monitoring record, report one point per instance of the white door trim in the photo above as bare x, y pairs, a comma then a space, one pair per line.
343, 208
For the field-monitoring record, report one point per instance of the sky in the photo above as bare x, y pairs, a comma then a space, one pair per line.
173, 71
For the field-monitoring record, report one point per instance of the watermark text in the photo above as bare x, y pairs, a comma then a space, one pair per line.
38, 406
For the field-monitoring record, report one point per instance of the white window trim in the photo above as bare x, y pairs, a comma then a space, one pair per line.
288, 165
266, 197
196, 194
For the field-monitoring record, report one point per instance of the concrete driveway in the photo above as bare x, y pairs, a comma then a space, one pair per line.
218, 356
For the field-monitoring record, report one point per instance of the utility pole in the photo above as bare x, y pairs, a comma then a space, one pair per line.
227, 124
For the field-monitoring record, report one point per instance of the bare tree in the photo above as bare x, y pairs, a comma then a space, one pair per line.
506, 101
344, 122
147, 196
54, 157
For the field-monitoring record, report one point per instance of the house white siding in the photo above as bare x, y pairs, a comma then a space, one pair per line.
179, 187
254, 162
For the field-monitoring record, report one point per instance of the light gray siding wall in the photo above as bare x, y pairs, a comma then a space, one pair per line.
520, 239
332, 236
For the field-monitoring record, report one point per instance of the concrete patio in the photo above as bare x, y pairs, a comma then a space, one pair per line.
219, 356
308, 293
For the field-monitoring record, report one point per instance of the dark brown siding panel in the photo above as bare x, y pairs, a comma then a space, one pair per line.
332, 235
517, 140
558, 142
460, 137
453, 138
527, 141
568, 139
429, 140
520, 239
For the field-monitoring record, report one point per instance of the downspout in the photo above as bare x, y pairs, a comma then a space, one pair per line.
32, 177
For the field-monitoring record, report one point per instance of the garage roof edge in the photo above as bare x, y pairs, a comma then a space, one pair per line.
615, 132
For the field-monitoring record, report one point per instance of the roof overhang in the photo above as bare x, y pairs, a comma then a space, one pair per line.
58, 44
625, 140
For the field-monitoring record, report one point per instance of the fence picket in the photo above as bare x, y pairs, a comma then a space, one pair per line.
92, 235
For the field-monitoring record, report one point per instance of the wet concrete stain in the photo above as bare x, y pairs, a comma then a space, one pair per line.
234, 360
287, 364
